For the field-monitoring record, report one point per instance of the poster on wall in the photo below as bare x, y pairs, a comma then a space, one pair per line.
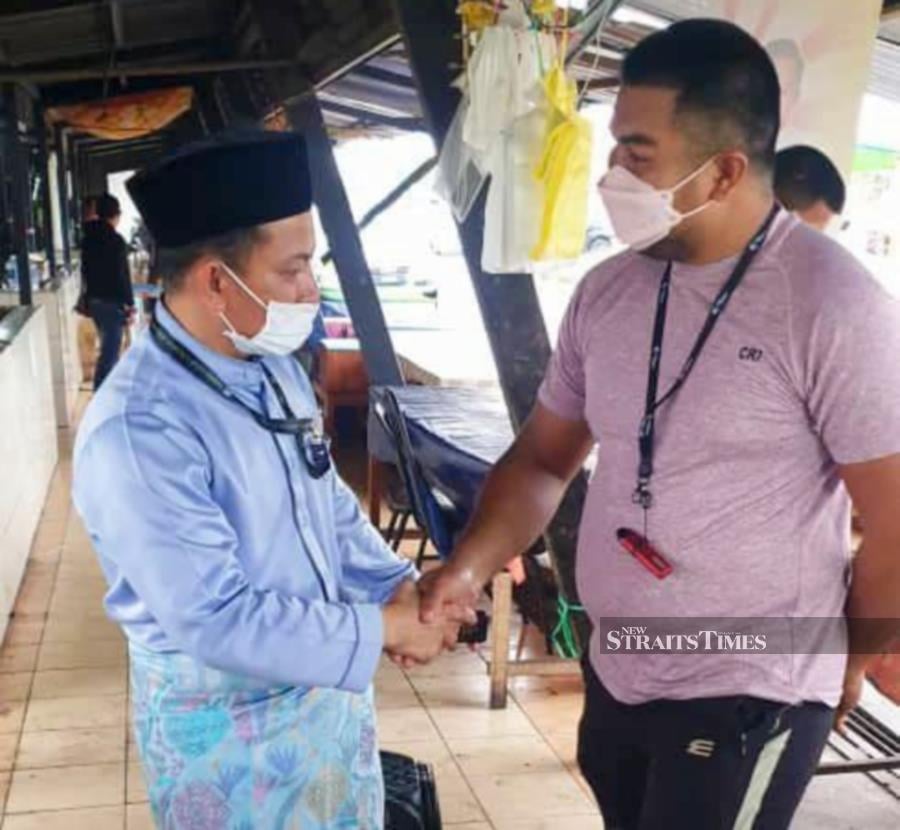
823, 52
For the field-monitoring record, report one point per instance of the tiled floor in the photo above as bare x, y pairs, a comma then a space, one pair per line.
65, 754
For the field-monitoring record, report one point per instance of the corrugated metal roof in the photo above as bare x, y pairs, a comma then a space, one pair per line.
85, 30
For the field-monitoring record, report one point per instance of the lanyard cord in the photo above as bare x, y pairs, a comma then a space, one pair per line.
646, 435
193, 364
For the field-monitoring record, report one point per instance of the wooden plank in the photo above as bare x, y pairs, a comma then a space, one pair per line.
500, 617
542, 667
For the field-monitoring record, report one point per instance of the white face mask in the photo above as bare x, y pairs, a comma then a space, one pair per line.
640, 214
287, 326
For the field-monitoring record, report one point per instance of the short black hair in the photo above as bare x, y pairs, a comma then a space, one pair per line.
805, 176
725, 81
108, 206
232, 248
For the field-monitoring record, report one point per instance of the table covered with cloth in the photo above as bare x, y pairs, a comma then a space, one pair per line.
457, 435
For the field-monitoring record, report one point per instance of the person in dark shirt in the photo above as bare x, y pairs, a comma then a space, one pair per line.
107, 282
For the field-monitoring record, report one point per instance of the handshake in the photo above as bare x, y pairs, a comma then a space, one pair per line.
423, 619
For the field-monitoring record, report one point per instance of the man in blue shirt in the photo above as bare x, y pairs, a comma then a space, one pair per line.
255, 596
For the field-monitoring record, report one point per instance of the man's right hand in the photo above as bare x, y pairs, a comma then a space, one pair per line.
447, 591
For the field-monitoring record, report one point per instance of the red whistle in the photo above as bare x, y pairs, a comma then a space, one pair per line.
644, 552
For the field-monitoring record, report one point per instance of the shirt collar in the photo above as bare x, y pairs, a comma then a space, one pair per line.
232, 371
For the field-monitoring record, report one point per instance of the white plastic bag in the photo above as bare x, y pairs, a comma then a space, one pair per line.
515, 199
504, 68
461, 172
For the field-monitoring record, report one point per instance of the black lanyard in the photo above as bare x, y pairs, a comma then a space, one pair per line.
313, 446
642, 494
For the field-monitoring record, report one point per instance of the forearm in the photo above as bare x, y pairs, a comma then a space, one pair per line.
873, 606
518, 502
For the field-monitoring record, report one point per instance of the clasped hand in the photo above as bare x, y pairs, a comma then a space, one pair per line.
416, 629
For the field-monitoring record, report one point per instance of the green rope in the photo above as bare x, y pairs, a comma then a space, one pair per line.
563, 637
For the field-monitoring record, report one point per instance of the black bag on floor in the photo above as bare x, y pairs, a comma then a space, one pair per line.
410, 794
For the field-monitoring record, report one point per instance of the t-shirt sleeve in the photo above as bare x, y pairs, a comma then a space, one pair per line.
563, 390
852, 370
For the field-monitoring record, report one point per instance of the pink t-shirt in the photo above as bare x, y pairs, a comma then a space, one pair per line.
799, 375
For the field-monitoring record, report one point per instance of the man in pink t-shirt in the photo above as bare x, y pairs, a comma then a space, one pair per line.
737, 371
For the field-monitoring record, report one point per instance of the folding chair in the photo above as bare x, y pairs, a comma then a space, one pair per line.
432, 511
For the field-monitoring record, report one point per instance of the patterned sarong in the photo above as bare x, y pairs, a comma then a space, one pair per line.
223, 752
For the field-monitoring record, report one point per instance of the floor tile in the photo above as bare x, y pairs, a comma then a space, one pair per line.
394, 692
67, 747
15, 686
136, 792
4, 788
139, 817
526, 687
80, 682
469, 691
509, 755
12, 715
575, 772
78, 595
522, 797
75, 611
79, 570
18, 658
480, 722
594, 822
554, 715
46, 555
48, 538
62, 788
564, 744
461, 661
36, 568
33, 600
94, 626
91, 818
8, 745
406, 725
75, 713
85, 655
79, 579
24, 632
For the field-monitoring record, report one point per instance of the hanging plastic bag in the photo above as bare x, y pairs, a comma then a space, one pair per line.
514, 207
461, 172
492, 89
500, 75
514, 204
564, 173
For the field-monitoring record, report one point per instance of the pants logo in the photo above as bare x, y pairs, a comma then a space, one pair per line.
701, 748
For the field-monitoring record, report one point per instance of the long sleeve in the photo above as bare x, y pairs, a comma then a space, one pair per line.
173, 545
371, 571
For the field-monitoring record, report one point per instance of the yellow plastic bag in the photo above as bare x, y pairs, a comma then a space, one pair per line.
564, 172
